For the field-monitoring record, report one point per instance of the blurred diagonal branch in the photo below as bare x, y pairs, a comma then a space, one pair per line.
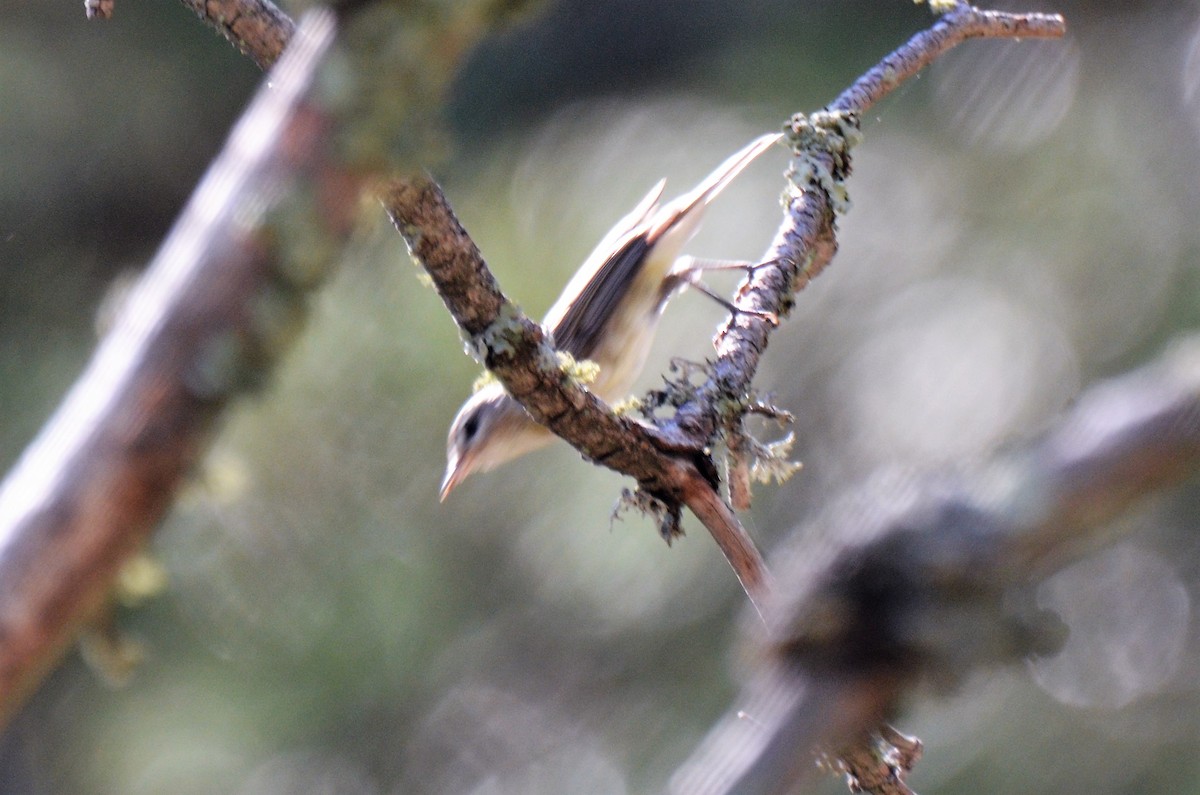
218, 304
215, 308
917, 578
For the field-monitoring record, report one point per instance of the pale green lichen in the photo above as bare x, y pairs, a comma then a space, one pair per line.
728, 407
499, 337
630, 405
939, 6
822, 142
771, 460
140, 578
412, 236
485, 379
675, 392
579, 371
668, 517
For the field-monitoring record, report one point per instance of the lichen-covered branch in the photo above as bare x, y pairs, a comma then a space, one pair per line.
963, 23
214, 309
506, 341
806, 240
917, 577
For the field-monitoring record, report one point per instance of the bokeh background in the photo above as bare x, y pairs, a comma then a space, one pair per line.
1025, 223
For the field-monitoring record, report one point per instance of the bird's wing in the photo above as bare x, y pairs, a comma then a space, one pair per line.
578, 317
588, 302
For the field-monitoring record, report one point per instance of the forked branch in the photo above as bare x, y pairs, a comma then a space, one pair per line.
515, 349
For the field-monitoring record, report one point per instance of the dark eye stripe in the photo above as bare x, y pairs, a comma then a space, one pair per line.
470, 426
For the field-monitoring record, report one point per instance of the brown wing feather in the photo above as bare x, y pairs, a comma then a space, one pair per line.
580, 313
577, 326
579, 329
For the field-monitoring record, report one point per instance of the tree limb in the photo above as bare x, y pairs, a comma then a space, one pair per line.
806, 240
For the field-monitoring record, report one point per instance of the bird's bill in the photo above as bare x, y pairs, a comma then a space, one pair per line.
457, 470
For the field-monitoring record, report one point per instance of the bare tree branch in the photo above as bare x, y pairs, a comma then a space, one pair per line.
963, 23
195, 331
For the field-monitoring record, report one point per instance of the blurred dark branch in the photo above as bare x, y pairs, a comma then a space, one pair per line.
212, 312
258, 28
918, 578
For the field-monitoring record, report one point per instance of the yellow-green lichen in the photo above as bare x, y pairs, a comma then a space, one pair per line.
668, 517
939, 6
630, 405
771, 460
500, 336
485, 379
579, 371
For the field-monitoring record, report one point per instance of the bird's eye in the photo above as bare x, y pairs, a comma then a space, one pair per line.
471, 427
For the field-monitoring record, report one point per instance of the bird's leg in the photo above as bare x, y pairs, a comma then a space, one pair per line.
687, 272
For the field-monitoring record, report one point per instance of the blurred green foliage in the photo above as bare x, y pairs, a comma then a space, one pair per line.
1023, 223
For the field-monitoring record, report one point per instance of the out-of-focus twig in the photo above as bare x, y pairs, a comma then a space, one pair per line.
213, 310
258, 28
914, 577
98, 9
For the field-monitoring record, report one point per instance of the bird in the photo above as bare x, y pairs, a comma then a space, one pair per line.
608, 313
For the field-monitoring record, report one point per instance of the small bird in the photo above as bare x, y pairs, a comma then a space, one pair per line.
608, 313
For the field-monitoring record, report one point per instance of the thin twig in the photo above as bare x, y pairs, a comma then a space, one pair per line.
258, 28
735, 543
88, 491
806, 241
963, 23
